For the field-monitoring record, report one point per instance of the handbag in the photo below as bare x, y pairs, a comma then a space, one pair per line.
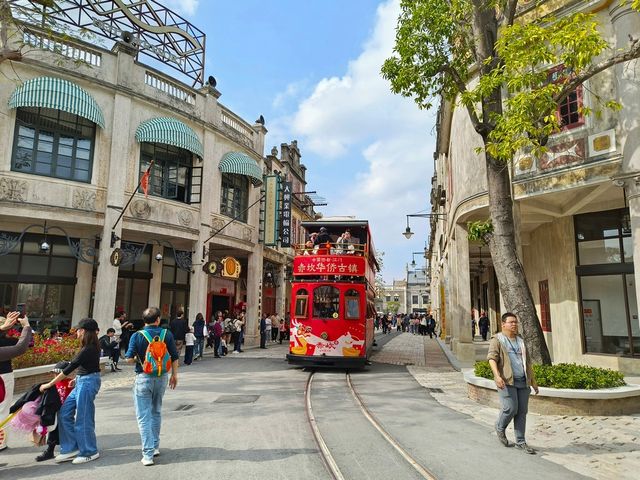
3, 390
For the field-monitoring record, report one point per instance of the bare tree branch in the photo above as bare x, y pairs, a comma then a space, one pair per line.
510, 11
632, 53
462, 89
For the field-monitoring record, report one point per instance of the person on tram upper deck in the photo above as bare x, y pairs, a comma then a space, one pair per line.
322, 240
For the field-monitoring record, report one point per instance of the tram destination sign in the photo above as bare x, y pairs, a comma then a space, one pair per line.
313, 265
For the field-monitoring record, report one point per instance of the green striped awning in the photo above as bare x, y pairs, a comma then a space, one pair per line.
241, 164
169, 131
59, 94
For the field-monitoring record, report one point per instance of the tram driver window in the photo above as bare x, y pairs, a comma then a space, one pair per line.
326, 302
301, 303
352, 304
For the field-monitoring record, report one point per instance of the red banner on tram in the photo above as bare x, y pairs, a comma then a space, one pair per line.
313, 265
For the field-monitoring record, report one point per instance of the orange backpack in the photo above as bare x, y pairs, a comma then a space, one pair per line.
156, 359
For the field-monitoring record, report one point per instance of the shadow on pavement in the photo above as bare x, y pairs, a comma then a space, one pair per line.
126, 456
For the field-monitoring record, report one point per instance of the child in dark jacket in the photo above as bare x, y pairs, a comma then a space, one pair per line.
64, 388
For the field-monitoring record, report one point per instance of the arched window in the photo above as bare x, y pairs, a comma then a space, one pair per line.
352, 304
326, 302
302, 298
235, 196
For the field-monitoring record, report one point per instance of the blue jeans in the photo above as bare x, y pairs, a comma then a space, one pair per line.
148, 391
238, 345
77, 417
198, 350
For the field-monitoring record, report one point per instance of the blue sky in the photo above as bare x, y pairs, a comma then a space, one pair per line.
312, 69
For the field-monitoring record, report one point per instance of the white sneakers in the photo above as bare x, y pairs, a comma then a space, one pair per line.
147, 462
79, 460
65, 457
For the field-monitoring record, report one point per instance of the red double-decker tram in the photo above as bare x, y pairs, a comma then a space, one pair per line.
332, 296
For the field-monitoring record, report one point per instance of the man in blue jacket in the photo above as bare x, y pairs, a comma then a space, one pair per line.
149, 389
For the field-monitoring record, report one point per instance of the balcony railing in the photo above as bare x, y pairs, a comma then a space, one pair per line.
62, 47
170, 88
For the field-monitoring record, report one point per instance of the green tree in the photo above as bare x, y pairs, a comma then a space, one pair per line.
476, 53
393, 307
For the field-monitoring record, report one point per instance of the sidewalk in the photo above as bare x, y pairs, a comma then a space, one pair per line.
600, 447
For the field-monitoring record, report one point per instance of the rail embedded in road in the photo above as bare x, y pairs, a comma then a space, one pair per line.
325, 451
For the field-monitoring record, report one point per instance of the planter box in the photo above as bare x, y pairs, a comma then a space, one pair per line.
25, 378
562, 401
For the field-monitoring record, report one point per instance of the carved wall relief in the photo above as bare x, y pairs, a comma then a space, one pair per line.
11, 189
84, 200
141, 209
185, 217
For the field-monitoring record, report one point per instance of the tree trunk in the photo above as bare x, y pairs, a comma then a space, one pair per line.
509, 271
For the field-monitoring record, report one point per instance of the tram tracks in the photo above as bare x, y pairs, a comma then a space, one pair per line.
325, 451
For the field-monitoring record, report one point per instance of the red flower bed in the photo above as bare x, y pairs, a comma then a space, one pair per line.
47, 350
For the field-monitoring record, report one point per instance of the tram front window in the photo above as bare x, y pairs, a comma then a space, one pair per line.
326, 302
352, 304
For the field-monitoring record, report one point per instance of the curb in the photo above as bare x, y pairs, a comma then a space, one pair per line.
450, 356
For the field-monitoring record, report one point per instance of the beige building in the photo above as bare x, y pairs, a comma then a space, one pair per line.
578, 216
80, 126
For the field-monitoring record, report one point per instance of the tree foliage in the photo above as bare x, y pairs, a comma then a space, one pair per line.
435, 55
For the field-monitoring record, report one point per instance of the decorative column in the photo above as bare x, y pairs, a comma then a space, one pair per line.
82, 294
626, 25
254, 296
464, 349
107, 274
209, 202
155, 284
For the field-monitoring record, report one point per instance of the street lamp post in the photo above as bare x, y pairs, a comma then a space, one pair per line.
408, 233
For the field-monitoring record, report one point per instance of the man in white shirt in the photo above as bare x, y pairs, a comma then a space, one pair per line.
119, 323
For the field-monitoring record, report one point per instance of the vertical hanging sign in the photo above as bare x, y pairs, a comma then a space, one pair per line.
285, 222
271, 210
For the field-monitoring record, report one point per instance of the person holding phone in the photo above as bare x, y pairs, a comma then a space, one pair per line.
11, 348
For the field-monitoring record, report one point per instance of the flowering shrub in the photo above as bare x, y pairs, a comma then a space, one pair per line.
47, 350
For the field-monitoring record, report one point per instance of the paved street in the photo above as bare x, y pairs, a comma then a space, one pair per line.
244, 417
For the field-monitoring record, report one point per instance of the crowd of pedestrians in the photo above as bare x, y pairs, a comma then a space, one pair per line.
416, 324
69, 417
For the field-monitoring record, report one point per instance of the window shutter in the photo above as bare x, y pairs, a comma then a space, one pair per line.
196, 185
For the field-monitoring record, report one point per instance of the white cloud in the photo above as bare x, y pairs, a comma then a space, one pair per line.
355, 117
187, 7
292, 91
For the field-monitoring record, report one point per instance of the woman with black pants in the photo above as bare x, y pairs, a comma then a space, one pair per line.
77, 416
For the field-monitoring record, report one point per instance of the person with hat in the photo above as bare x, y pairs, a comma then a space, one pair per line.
77, 415
64, 388
323, 241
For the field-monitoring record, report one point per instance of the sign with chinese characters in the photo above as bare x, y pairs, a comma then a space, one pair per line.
349, 265
285, 216
270, 212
